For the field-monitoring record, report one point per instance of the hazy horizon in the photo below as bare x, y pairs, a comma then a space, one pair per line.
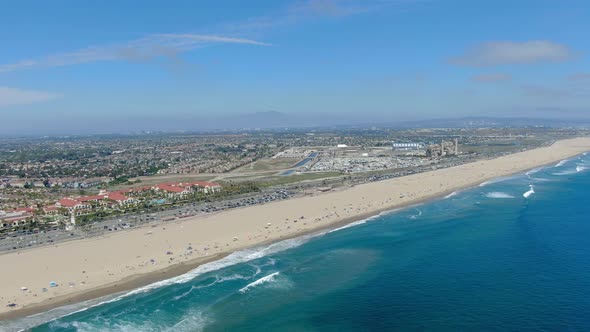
86, 68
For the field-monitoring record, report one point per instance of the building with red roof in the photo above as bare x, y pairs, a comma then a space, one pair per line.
15, 218
74, 206
28, 209
95, 198
118, 197
50, 209
172, 190
206, 187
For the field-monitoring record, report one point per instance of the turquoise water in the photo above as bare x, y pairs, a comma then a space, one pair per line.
483, 259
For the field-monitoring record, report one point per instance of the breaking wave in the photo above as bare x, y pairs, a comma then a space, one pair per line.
498, 194
356, 223
234, 258
263, 280
194, 320
485, 183
454, 193
561, 163
364, 221
578, 169
530, 192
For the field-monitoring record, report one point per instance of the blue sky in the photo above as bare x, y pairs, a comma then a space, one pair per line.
116, 66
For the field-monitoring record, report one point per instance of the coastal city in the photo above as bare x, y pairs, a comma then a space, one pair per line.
59, 188
294, 165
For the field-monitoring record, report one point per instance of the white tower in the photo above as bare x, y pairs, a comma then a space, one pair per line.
72, 224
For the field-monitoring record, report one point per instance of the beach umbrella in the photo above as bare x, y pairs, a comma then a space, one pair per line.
23, 288
53, 284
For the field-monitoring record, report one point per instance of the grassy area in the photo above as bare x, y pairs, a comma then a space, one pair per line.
268, 164
280, 180
503, 146
151, 180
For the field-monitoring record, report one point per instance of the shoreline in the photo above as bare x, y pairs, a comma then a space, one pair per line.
137, 280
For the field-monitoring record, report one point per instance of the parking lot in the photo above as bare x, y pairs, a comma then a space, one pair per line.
25, 239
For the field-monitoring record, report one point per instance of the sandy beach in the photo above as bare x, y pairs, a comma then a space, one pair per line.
90, 268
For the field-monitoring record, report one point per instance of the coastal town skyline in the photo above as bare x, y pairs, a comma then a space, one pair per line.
70, 69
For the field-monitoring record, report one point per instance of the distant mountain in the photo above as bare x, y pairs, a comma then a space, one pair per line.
479, 122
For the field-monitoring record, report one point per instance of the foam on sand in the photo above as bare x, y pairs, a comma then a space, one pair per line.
364, 221
454, 193
356, 223
485, 183
533, 171
498, 194
530, 192
561, 163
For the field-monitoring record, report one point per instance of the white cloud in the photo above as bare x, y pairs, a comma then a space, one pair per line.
140, 49
491, 78
305, 10
506, 52
12, 96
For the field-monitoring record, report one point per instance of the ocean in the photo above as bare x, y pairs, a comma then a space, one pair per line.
510, 254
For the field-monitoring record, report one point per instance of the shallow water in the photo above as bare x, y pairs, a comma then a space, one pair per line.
486, 258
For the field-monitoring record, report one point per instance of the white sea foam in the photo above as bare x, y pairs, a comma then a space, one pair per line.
530, 192
499, 179
533, 171
270, 262
416, 216
540, 179
263, 280
356, 223
454, 193
191, 321
364, 221
567, 172
580, 168
230, 260
217, 280
498, 194
561, 163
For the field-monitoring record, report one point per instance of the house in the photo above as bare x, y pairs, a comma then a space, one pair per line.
173, 190
135, 192
180, 190
28, 209
98, 199
14, 219
206, 187
50, 209
74, 206
119, 198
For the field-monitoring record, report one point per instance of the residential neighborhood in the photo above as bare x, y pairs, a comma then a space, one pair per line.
116, 201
